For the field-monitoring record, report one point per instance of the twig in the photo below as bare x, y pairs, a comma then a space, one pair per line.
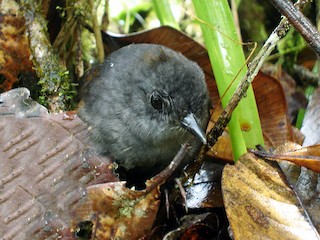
160, 178
57, 90
305, 76
166, 194
182, 192
300, 22
234, 10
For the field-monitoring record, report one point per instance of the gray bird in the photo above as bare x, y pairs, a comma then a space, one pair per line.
142, 103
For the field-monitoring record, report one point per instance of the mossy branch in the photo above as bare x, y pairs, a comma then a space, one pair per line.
57, 90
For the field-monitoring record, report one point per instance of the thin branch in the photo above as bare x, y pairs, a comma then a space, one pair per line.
300, 22
165, 174
234, 10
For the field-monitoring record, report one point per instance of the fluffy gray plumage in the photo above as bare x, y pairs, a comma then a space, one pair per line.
136, 102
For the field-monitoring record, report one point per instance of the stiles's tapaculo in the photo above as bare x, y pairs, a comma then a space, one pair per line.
144, 102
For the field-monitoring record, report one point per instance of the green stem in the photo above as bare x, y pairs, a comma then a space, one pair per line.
164, 13
97, 31
229, 67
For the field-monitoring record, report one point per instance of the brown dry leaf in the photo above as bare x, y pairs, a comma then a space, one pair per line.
272, 109
117, 212
295, 96
308, 157
260, 204
46, 166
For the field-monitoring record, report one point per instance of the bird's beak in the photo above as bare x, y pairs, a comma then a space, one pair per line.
189, 122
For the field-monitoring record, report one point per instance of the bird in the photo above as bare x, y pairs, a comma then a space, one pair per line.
142, 103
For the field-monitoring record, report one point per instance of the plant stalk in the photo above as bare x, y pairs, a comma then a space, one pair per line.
164, 13
229, 67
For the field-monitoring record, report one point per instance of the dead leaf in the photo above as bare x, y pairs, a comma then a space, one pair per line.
205, 189
272, 109
117, 212
308, 157
46, 165
261, 205
295, 96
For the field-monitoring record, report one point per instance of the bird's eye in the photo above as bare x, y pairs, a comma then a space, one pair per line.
156, 101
